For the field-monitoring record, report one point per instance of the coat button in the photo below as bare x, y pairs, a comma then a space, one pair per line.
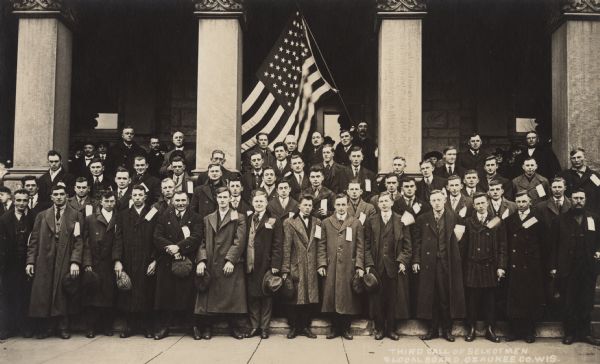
514, 250
427, 253
514, 266
515, 235
478, 249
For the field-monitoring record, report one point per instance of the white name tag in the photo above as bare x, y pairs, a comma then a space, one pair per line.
145, 187
288, 173
77, 230
591, 224
463, 212
190, 187
505, 214
368, 185
324, 205
493, 223
318, 231
234, 215
291, 214
151, 213
269, 224
362, 218
89, 209
540, 190
595, 179
459, 231
130, 203
407, 218
530, 223
348, 233
186, 231
249, 212
416, 207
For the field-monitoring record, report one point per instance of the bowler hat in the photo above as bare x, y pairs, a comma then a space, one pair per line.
182, 267
90, 281
71, 284
271, 283
124, 282
287, 290
371, 282
202, 281
358, 284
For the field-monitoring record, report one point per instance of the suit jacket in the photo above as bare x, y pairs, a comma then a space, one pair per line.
548, 211
250, 182
275, 209
522, 183
362, 207
312, 155
324, 194
123, 202
467, 160
184, 183
586, 183
424, 190
268, 158
87, 201
504, 205
123, 156
464, 191
79, 168
45, 184
375, 200
270, 195
96, 189
189, 156
155, 161
335, 177
153, 186
286, 172
296, 188
464, 202
400, 207
340, 155
363, 175
506, 184
386, 254
13, 243
442, 171
266, 248
203, 201
227, 175
368, 147
381, 181
548, 165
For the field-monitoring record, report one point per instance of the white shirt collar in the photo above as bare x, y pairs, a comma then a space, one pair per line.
179, 148
497, 203
341, 217
222, 214
139, 211
481, 216
108, 215
54, 174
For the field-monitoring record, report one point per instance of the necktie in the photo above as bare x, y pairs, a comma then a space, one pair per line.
179, 215
255, 220
482, 219
31, 203
386, 218
355, 171
120, 194
449, 170
58, 214
299, 177
558, 204
280, 166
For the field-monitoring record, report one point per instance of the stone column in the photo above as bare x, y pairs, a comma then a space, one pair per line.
400, 82
576, 81
43, 87
219, 102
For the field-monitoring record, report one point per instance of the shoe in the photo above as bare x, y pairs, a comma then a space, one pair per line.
393, 336
236, 334
308, 333
491, 335
347, 335
470, 334
332, 335
125, 333
90, 334
378, 334
107, 332
292, 333
448, 336
196, 334
253, 333
430, 335
3, 335
264, 334
43, 334
591, 340
27, 334
568, 340
510, 337
529, 339
161, 334
64, 334
148, 334
207, 333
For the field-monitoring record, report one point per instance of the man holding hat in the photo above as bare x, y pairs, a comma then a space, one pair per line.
263, 254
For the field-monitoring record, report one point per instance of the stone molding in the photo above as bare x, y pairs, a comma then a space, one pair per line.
44, 9
401, 6
219, 5
580, 6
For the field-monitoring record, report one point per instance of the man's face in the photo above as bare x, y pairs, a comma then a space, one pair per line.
108, 203
523, 203
180, 201
167, 189
341, 205
327, 154
122, 180
491, 166
256, 161
54, 162
481, 204
454, 186
316, 139
297, 165
283, 190
178, 168
409, 188
214, 173
281, 153
21, 201
235, 188
356, 158
346, 138
31, 187
127, 135
578, 199
81, 189
140, 166
385, 203
391, 184
529, 167
178, 139
475, 142
259, 203
59, 197
398, 166
450, 156
437, 201
154, 144
269, 177
471, 180
223, 199
578, 160
495, 192
263, 141
558, 189
102, 148
305, 207
354, 191
96, 169
316, 178
531, 139
426, 169
88, 150
4, 197
217, 158
291, 143
362, 129
138, 196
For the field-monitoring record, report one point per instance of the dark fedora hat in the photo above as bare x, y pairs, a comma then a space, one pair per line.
182, 267
371, 282
271, 283
287, 290
202, 281
124, 282
358, 284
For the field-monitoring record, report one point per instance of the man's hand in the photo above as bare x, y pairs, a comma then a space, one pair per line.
597, 256
322, 272
416, 268
74, 270
284, 276
29, 270
322, 212
274, 270
151, 268
118, 268
89, 268
228, 268
368, 269
360, 272
401, 268
172, 249
500, 272
200, 268
553, 273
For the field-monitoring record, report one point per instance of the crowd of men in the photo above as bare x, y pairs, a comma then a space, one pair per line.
131, 232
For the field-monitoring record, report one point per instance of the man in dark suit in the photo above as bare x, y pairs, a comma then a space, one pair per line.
217, 157
237, 202
473, 157
367, 145
156, 157
323, 198
123, 153
429, 181
299, 180
581, 176
6, 203
457, 202
536, 185
189, 155
97, 179
262, 148
471, 183
356, 171
106, 158
283, 206
54, 176
36, 204
291, 143
123, 189
282, 164
392, 184
143, 178
313, 154
491, 173
342, 149
409, 200
548, 165
398, 166
15, 289
183, 181
203, 200
576, 256
82, 202
499, 205
80, 166
449, 167
252, 179
334, 172
268, 183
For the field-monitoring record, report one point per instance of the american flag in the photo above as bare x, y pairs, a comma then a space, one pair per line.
289, 84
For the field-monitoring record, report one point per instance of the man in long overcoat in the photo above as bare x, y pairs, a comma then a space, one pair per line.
388, 252
55, 251
221, 253
203, 199
341, 253
300, 265
177, 236
134, 253
437, 261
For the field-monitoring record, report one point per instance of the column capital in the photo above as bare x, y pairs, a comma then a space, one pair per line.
387, 9
44, 9
580, 6
219, 8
